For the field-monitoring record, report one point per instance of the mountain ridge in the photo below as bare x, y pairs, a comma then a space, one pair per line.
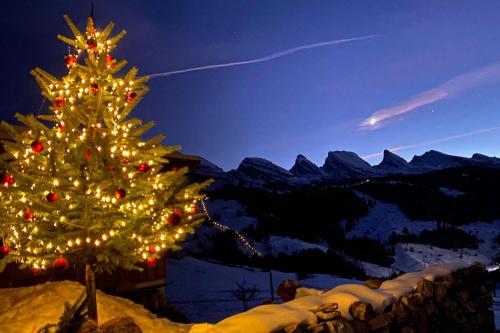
340, 165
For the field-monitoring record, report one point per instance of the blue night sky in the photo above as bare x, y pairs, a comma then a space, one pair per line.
429, 79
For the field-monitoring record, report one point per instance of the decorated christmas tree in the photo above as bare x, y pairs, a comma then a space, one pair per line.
81, 184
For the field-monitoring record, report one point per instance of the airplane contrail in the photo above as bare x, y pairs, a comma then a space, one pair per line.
483, 76
262, 59
427, 143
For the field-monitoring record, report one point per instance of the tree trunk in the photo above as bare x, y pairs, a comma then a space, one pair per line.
91, 294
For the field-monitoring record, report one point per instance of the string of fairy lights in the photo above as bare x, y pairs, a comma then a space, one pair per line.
242, 239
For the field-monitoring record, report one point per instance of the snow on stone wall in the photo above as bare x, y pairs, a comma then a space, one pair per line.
274, 317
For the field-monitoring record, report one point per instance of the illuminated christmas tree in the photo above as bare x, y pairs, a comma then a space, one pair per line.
81, 186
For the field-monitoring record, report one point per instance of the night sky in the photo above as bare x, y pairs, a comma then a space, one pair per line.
427, 78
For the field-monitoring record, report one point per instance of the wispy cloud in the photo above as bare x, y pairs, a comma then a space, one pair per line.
428, 143
482, 76
270, 57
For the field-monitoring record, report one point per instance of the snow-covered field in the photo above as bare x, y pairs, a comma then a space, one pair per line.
202, 289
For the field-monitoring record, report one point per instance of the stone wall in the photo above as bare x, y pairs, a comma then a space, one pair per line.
459, 302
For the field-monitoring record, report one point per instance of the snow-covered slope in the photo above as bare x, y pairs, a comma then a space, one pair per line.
414, 257
305, 168
27, 309
383, 219
277, 245
486, 232
346, 164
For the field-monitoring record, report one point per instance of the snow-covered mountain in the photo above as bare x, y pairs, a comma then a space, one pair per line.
346, 164
392, 162
305, 168
486, 160
339, 165
433, 160
254, 170
209, 169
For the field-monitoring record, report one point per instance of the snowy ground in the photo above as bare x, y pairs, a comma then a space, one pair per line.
25, 310
202, 289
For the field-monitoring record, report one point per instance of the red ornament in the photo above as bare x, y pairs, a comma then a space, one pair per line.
91, 44
88, 154
36, 146
151, 262
120, 193
69, 60
143, 167
28, 215
130, 96
58, 102
94, 87
152, 249
52, 197
4, 250
61, 263
174, 219
7, 180
173, 169
60, 128
110, 61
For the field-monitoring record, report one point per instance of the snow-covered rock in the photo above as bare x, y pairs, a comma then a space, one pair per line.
346, 164
27, 309
305, 168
